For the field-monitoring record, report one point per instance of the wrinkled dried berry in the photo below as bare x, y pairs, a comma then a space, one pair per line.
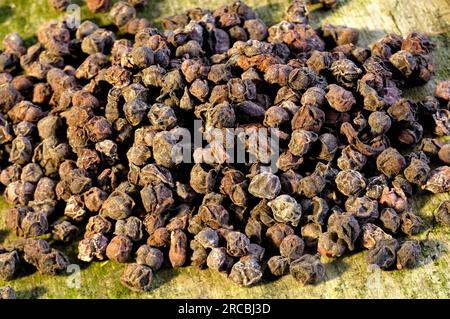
137, 277
308, 270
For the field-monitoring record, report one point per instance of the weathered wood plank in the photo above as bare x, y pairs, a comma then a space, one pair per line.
349, 277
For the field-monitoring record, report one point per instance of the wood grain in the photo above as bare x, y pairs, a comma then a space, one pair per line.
349, 277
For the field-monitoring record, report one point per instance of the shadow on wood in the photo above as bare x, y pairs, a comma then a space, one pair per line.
3, 235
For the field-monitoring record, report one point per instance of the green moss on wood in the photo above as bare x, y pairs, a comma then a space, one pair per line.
349, 277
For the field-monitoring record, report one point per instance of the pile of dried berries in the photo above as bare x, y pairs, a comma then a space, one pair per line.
7, 293
90, 127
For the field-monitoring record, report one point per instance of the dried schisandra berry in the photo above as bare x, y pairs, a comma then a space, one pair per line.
64, 231
339, 98
60, 5
278, 265
390, 219
178, 248
390, 162
92, 247
98, 5
411, 223
444, 154
417, 171
276, 233
265, 185
310, 234
350, 182
117, 206
346, 227
33, 249
292, 247
371, 234
308, 270
237, 244
285, 209
149, 256
408, 255
119, 249
219, 260
52, 263
442, 213
216, 142
137, 277
130, 227
384, 253
7, 292
9, 265
438, 180
246, 271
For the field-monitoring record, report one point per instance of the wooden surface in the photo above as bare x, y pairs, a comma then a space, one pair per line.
349, 277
